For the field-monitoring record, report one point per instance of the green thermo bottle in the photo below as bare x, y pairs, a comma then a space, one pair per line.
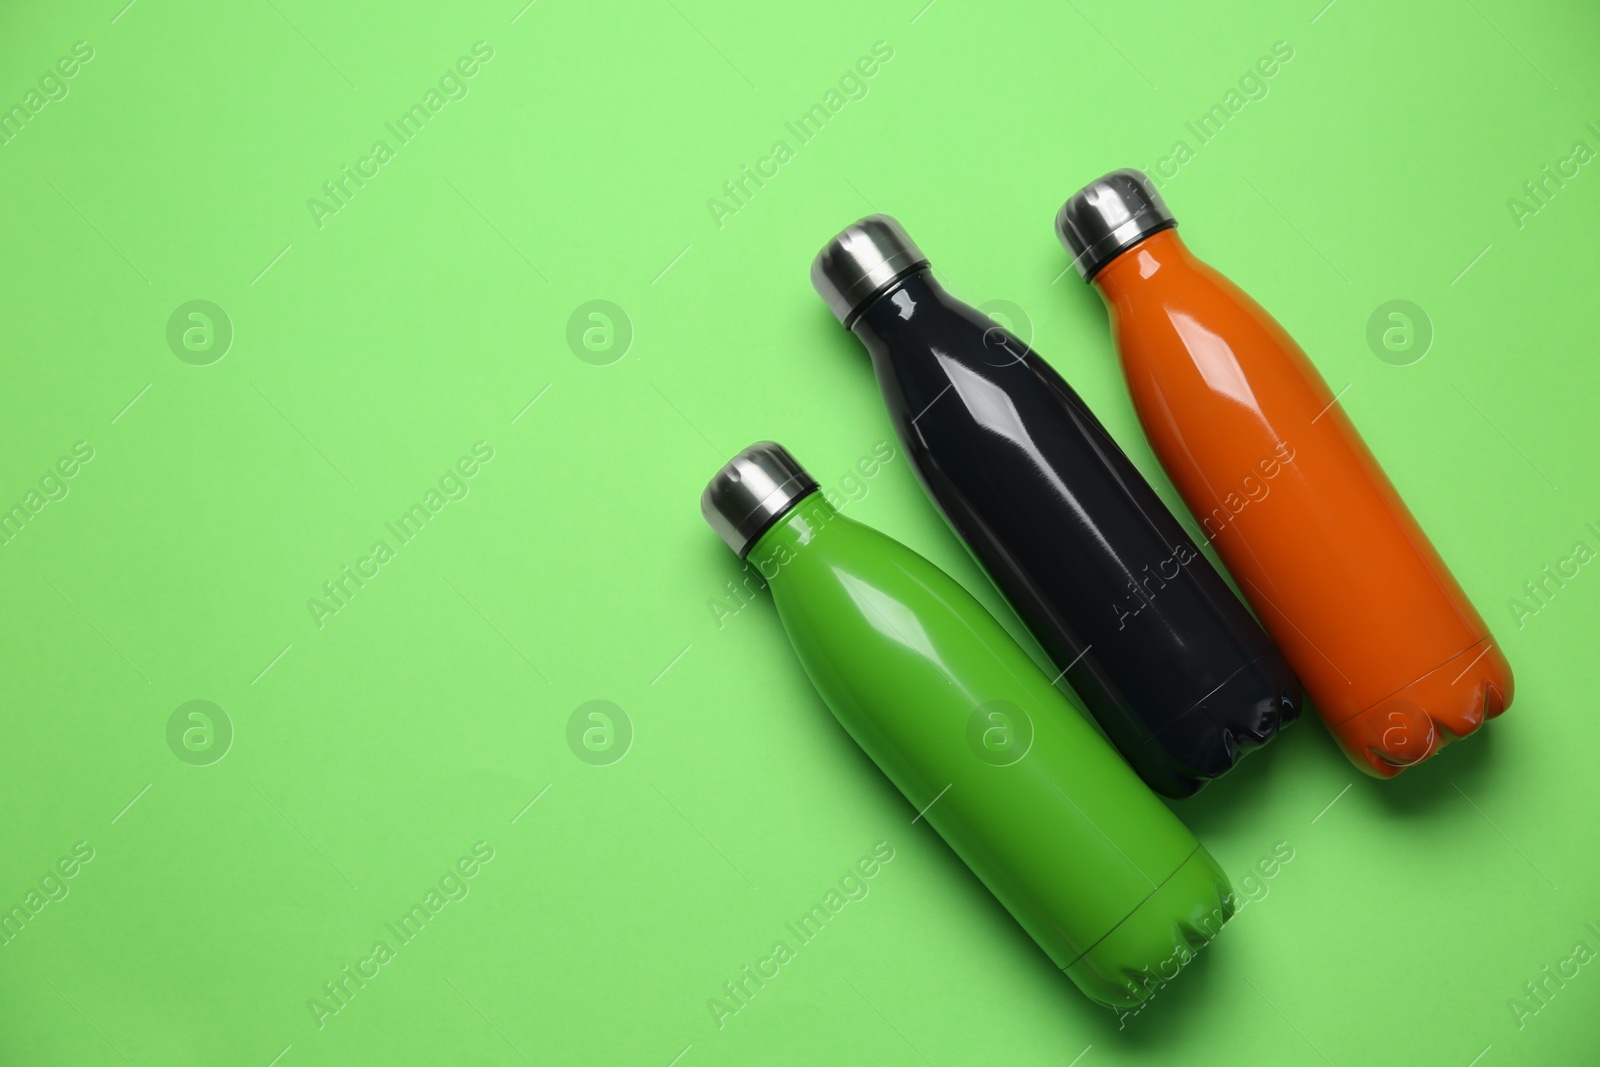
1099, 872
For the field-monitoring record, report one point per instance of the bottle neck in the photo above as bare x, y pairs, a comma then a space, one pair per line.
1163, 251
898, 303
795, 531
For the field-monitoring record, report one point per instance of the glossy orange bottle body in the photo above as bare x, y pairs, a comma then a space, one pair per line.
1391, 652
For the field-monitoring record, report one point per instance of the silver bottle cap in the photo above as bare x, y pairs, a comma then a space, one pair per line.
755, 490
1108, 216
860, 261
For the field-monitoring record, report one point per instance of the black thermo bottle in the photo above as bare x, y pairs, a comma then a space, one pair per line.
1180, 676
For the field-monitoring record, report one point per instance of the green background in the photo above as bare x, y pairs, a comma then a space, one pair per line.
369, 754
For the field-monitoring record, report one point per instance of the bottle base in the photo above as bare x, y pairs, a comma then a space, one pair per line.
1444, 705
1209, 738
1147, 949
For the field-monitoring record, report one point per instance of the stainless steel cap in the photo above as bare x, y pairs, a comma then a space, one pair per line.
752, 492
1109, 215
860, 261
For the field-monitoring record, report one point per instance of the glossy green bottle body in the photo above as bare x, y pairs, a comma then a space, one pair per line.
1098, 871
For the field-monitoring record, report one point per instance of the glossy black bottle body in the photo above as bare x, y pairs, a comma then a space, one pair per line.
1178, 674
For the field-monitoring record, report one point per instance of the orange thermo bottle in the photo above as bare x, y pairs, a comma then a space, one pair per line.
1391, 652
